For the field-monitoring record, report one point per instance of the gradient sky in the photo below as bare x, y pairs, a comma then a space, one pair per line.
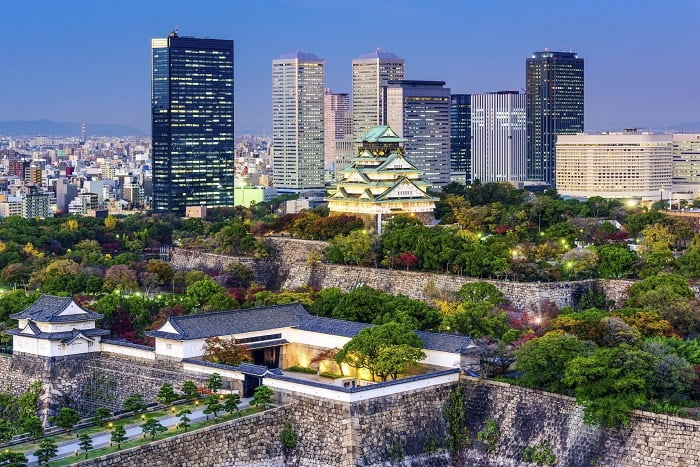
89, 60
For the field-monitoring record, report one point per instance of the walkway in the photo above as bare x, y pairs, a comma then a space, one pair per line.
102, 439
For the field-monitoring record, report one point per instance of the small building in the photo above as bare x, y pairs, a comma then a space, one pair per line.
56, 327
381, 183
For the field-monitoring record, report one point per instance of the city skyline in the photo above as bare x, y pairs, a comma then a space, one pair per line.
89, 62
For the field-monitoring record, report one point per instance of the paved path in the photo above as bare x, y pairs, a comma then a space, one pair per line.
102, 439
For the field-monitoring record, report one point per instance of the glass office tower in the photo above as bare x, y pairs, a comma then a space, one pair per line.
460, 137
554, 107
192, 123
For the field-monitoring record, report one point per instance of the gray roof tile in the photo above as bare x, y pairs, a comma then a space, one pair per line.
225, 323
47, 309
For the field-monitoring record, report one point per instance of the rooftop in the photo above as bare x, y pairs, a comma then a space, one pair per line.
53, 309
226, 323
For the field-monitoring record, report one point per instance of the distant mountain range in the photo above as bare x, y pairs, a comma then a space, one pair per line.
64, 129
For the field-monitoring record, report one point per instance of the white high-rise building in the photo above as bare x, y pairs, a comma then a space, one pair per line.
498, 137
686, 164
338, 132
626, 165
297, 121
419, 112
370, 74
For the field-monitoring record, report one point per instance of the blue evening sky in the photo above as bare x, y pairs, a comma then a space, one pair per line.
88, 60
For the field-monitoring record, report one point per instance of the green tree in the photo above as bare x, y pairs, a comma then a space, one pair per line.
480, 292
120, 277
689, 263
100, 414
166, 394
231, 403
134, 403
365, 349
226, 350
152, 427
118, 435
66, 418
214, 406
47, 450
262, 397
12, 459
7, 431
672, 376
184, 419
289, 440
214, 383
355, 248
32, 426
202, 291
85, 443
615, 260
542, 361
393, 360
477, 320
189, 389
610, 383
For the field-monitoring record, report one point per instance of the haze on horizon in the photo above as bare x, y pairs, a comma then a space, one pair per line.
90, 61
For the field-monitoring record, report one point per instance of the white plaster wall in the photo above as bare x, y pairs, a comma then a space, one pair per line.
279, 385
207, 370
444, 359
48, 348
61, 327
170, 348
128, 351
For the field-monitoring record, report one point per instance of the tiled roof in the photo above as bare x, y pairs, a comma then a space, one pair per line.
431, 340
446, 342
225, 323
48, 308
380, 133
336, 327
62, 336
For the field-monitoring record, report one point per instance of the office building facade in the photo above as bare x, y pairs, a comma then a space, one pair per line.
419, 112
499, 137
625, 165
554, 82
686, 164
370, 74
297, 121
337, 132
460, 137
192, 123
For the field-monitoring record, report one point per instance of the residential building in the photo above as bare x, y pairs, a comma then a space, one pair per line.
460, 137
297, 121
381, 183
337, 132
419, 112
628, 165
36, 205
370, 74
498, 137
554, 82
192, 123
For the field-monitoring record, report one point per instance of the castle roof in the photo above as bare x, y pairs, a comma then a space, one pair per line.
53, 309
32, 330
227, 323
380, 134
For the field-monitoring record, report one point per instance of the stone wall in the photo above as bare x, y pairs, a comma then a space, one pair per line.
418, 285
265, 270
527, 417
248, 441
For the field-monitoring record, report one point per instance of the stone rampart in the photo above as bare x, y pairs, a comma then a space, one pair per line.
400, 430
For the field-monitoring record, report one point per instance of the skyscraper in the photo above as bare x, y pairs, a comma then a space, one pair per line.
460, 137
297, 121
554, 107
192, 123
419, 112
499, 137
370, 73
337, 132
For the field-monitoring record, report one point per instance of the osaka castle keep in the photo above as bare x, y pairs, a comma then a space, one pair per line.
381, 183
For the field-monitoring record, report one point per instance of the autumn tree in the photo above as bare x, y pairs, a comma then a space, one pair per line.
226, 350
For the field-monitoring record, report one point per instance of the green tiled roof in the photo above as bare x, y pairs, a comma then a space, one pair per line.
381, 133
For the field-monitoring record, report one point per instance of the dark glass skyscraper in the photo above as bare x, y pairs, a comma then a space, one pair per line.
460, 136
192, 123
554, 106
